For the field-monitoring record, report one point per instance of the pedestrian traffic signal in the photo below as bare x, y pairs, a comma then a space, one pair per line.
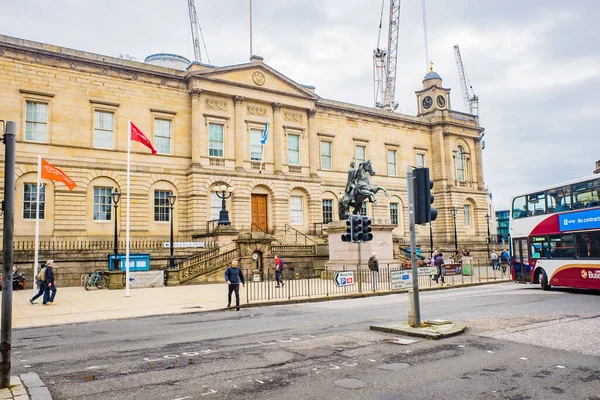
366, 225
357, 228
347, 237
422, 197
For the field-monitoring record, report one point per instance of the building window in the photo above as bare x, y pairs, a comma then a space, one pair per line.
420, 160
29, 201
327, 211
161, 205
467, 209
162, 135
296, 210
215, 205
325, 155
363, 208
460, 164
360, 154
293, 149
392, 170
36, 122
255, 145
215, 140
102, 203
394, 213
103, 129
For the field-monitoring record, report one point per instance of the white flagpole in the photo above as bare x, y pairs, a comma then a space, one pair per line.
37, 221
128, 197
251, 28
262, 157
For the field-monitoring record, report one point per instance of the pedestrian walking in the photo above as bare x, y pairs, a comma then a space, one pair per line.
233, 277
49, 285
439, 262
374, 268
494, 260
41, 284
505, 260
278, 270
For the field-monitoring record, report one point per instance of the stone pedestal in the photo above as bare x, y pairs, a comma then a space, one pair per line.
115, 279
343, 254
173, 276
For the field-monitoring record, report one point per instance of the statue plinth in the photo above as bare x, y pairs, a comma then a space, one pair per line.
344, 254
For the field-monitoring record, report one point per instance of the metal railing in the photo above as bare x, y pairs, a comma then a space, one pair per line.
211, 225
109, 244
253, 225
297, 232
318, 228
204, 262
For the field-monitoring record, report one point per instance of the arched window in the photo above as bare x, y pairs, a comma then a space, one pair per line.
460, 164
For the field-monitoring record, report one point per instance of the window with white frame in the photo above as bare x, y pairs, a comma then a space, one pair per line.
327, 211
215, 140
255, 145
161, 206
394, 213
297, 215
460, 163
363, 208
293, 149
102, 203
420, 160
392, 169
467, 208
215, 205
36, 121
30, 198
162, 135
360, 154
325, 155
103, 129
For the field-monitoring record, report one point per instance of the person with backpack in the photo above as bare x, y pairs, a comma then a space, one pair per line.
39, 281
278, 270
50, 285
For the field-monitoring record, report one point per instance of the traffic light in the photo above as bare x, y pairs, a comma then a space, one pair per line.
422, 196
367, 235
347, 237
357, 228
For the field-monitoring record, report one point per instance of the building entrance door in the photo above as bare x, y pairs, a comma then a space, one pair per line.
259, 212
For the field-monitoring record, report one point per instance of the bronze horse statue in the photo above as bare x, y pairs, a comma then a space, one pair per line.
358, 189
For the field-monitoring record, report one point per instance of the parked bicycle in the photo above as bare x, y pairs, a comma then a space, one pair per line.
96, 279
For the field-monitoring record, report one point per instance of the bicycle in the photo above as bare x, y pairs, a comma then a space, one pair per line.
96, 279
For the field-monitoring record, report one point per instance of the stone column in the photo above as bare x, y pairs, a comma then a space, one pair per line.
197, 136
239, 133
478, 164
278, 150
313, 143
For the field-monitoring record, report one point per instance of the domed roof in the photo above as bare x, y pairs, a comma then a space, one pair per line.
432, 75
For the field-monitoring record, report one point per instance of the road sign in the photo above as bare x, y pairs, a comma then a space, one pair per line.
451, 269
427, 270
345, 278
401, 279
177, 245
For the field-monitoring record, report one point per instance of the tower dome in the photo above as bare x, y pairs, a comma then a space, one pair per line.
431, 75
168, 60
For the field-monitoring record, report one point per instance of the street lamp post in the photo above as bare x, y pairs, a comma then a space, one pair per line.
223, 192
116, 196
454, 211
171, 198
487, 218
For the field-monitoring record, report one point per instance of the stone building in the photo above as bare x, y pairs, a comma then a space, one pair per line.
73, 107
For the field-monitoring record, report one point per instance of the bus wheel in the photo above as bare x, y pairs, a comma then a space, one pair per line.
543, 279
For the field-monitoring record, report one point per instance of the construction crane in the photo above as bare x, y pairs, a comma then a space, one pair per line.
196, 33
386, 61
469, 97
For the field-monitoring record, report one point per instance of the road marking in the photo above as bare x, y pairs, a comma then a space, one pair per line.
461, 346
183, 398
261, 382
372, 360
149, 360
96, 367
211, 391
26, 366
491, 352
334, 367
190, 354
23, 360
171, 356
523, 358
561, 366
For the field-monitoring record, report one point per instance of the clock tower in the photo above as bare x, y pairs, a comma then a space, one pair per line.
433, 97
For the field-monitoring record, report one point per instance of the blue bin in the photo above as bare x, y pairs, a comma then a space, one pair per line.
137, 262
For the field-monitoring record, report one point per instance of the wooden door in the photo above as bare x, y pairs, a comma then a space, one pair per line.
259, 212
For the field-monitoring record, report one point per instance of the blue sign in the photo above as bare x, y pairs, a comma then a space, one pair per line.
579, 220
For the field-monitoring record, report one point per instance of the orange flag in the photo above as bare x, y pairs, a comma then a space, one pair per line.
52, 173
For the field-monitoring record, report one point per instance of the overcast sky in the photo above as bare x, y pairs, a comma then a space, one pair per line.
535, 65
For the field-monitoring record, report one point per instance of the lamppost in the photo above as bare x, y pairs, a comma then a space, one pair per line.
223, 192
116, 196
453, 210
487, 218
171, 198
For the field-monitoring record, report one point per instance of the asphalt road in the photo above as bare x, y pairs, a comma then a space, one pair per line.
521, 343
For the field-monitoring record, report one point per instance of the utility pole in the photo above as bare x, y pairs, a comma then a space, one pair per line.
8, 253
416, 308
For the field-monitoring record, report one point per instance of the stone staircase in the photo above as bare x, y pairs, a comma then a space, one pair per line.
207, 266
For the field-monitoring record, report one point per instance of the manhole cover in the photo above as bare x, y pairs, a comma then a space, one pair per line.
393, 367
350, 383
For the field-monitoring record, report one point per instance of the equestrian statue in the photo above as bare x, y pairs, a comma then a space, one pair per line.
358, 189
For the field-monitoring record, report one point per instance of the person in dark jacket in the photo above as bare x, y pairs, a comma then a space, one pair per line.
233, 277
41, 289
439, 262
374, 268
50, 285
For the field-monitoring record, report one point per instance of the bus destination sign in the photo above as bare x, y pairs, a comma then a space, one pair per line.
580, 220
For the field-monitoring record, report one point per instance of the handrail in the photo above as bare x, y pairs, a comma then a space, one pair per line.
259, 228
210, 225
320, 224
285, 226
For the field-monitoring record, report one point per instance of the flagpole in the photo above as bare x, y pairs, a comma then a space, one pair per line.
127, 225
37, 221
262, 157
250, 28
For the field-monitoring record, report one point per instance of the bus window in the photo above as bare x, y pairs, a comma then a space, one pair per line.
550, 202
519, 209
536, 204
588, 244
540, 247
586, 194
562, 246
563, 198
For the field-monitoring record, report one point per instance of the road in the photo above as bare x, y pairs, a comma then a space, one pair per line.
521, 343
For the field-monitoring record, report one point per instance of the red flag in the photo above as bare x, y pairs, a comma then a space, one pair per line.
138, 136
52, 173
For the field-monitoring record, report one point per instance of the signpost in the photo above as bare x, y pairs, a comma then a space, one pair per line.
401, 279
345, 278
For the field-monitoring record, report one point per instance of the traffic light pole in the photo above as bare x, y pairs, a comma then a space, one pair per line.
416, 308
358, 270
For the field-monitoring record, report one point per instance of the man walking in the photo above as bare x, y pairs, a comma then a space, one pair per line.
494, 260
233, 277
41, 283
505, 260
374, 268
278, 271
50, 285
439, 262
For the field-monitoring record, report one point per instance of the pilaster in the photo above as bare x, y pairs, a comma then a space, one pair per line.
313, 143
198, 132
278, 149
239, 133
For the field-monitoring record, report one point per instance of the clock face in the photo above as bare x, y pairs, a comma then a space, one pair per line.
427, 102
441, 101
255, 256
